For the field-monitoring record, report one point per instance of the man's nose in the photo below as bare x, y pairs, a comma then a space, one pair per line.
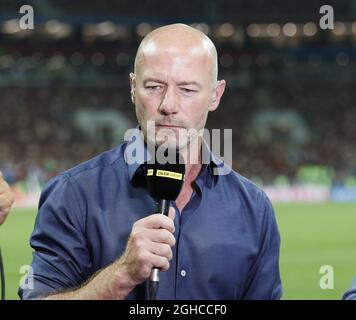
170, 102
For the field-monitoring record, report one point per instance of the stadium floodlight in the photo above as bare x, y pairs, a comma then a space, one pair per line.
203, 27
57, 29
339, 29
290, 29
143, 29
310, 29
254, 30
11, 26
106, 30
273, 30
226, 30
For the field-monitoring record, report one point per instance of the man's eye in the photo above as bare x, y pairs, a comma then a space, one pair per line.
187, 90
153, 88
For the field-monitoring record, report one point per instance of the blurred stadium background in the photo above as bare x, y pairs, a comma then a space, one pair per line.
290, 100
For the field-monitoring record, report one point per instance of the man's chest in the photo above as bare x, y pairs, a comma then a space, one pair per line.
184, 198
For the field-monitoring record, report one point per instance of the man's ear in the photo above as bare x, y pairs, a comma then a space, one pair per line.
217, 94
133, 86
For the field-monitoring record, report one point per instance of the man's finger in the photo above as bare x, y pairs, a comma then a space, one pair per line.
171, 213
157, 221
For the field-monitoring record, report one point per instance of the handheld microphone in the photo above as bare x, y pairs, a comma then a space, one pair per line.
164, 183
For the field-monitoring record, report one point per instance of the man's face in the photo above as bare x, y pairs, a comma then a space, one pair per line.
175, 89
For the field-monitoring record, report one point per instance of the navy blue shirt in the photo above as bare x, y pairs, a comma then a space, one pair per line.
227, 241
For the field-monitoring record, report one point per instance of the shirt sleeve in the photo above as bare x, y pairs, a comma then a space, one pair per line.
264, 282
61, 258
351, 293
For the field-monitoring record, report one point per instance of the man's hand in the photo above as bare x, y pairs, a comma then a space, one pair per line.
6, 199
149, 246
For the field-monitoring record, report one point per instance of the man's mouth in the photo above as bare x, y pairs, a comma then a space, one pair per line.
169, 126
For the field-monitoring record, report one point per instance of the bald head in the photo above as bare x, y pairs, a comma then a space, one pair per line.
178, 39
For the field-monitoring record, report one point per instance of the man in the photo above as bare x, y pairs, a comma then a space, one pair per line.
95, 235
351, 293
6, 199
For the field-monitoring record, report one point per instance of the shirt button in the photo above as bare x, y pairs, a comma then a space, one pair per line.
183, 273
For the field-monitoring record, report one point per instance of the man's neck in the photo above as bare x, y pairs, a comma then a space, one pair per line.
191, 173
193, 164
193, 161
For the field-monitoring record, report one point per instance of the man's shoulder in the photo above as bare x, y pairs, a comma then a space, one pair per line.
244, 183
94, 165
246, 188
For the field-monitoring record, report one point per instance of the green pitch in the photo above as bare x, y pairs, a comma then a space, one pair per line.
313, 235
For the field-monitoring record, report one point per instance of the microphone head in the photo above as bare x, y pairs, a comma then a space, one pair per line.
165, 181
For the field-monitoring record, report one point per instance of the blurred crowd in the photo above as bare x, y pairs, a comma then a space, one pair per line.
38, 134
279, 127
327, 118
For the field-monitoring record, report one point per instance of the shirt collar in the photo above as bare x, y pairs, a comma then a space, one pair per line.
137, 154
